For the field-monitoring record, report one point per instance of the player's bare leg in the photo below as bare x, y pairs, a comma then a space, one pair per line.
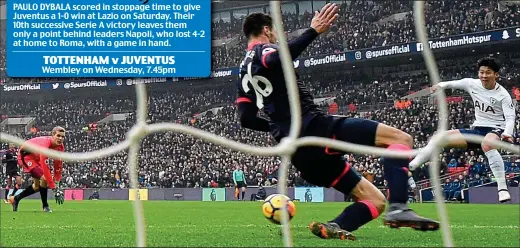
495, 159
7, 188
496, 163
17, 186
396, 174
35, 187
370, 202
457, 141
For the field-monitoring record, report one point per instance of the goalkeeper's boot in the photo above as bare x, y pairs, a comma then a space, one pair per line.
47, 209
330, 230
399, 215
14, 202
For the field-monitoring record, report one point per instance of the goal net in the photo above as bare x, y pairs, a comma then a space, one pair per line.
286, 147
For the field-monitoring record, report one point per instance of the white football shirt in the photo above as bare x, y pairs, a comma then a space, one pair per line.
493, 108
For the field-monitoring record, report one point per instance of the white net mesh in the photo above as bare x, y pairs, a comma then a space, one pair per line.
286, 147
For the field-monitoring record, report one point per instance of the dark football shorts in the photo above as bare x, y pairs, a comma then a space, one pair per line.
36, 172
482, 131
26, 162
326, 167
241, 184
12, 172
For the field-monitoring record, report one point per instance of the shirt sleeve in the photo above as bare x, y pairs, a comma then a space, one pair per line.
462, 84
58, 166
248, 114
271, 56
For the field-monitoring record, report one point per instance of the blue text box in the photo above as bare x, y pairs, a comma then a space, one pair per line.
95, 38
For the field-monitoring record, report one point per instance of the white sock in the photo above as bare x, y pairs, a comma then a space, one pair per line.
411, 183
497, 167
422, 157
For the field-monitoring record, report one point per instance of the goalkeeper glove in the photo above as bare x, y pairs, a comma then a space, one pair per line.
58, 194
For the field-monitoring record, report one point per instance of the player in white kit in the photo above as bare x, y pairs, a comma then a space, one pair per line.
494, 119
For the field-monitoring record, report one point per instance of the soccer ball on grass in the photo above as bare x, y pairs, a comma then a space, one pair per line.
272, 208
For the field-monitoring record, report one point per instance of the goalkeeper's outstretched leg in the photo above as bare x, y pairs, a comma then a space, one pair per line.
44, 190
328, 168
37, 174
39, 185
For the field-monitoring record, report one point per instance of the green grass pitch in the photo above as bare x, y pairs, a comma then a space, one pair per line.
238, 224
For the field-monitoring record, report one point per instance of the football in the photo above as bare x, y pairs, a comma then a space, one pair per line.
272, 208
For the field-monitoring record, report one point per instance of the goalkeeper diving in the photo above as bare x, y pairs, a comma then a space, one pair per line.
37, 166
